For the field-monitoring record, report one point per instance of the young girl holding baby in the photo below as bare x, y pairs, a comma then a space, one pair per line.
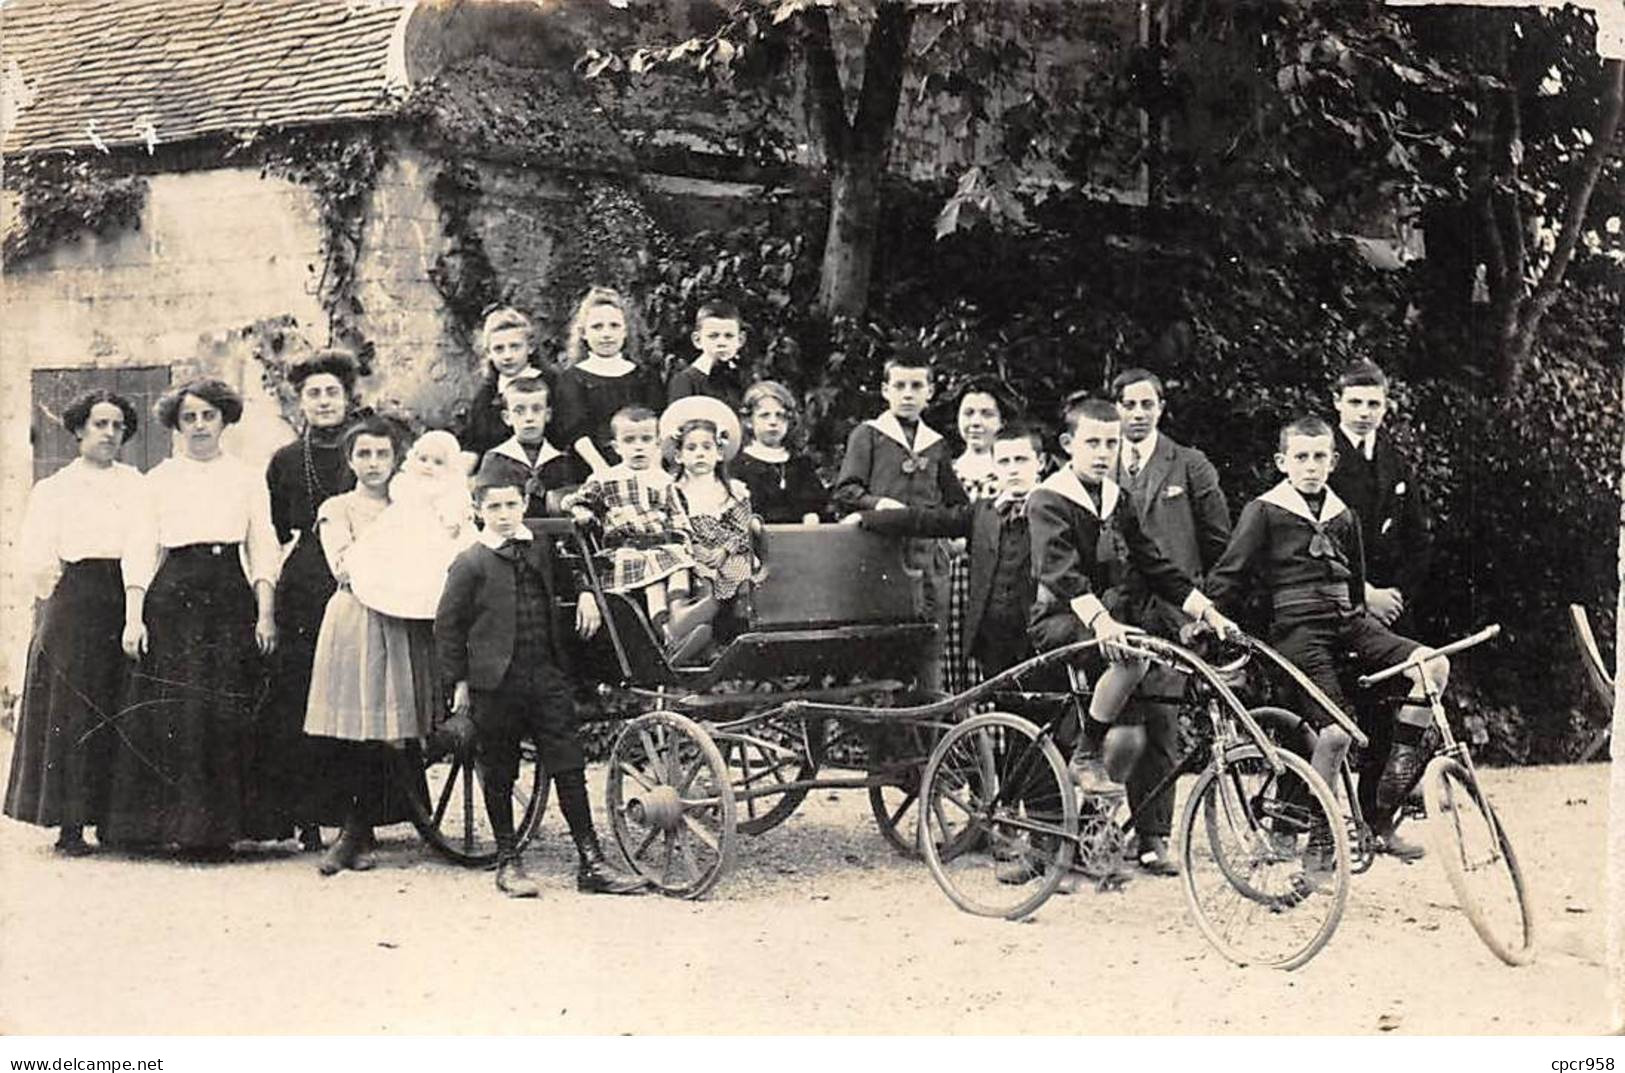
372, 680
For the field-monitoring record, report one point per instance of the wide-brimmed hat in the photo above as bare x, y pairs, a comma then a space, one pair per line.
701, 408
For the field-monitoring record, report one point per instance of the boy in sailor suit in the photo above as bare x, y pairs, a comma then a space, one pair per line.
526, 458
1090, 558
1301, 544
895, 462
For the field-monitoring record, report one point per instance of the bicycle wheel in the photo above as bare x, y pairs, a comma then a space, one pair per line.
1265, 859
1000, 818
1478, 859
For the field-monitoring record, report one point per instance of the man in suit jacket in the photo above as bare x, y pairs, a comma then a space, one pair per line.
499, 643
1377, 485
1176, 494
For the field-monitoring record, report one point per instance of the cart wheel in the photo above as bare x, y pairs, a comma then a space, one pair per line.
772, 754
1265, 858
998, 797
453, 818
1472, 845
670, 803
897, 753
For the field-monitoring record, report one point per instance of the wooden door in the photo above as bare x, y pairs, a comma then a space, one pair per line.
54, 391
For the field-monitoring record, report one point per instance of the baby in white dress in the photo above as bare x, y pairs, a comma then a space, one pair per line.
398, 566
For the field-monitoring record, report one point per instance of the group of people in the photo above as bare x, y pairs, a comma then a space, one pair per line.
222, 656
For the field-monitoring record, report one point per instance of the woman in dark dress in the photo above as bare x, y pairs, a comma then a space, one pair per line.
600, 378
72, 538
199, 569
317, 776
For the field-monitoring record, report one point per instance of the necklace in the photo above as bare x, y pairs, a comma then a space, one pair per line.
315, 488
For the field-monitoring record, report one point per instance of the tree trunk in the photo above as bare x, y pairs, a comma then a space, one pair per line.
849, 244
1518, 339
856, 149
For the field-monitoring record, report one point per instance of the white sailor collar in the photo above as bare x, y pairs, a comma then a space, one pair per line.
888, 426
504, 379
489, 538
1291, 500
1066, 482
511, 448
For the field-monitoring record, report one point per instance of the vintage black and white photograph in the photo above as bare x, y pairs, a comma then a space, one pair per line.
1084, 518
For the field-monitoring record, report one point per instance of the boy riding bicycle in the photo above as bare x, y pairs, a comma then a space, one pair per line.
1300, 544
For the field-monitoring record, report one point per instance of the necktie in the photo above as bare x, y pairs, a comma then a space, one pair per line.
1133, 460
1010, 505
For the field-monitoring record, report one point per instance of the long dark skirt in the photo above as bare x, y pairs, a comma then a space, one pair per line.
195, 723
76, 671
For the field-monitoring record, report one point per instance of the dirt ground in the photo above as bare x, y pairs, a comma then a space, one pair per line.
820, 929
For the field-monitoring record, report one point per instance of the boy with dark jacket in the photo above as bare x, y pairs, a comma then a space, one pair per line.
500, 643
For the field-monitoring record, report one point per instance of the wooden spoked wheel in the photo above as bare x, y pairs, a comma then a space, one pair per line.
452, 819
767, 756
671, 804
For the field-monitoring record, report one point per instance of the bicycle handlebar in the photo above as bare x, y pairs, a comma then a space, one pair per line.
1417, 660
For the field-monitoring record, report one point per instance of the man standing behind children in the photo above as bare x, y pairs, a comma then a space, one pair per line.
896, 461
1180, 505
718, 334
1381, 490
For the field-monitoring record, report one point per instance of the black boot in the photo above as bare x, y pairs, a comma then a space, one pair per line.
595, 875
1399, 776
512, 879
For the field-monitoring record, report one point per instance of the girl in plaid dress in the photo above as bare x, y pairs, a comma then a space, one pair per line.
646, 533
702, 434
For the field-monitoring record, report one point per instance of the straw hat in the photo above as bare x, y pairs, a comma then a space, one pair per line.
701, 408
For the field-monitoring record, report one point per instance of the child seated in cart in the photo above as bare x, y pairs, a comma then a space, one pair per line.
701, 435
645, 532
500, 643
1300, 544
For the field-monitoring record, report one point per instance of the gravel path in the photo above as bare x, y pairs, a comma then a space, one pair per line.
820, 929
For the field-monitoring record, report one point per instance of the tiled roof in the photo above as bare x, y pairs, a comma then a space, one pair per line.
71, 69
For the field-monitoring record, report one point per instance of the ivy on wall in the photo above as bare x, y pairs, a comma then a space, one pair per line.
63, 196
462, 271
341, 168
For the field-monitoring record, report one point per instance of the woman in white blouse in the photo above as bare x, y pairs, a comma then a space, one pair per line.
71, 541
199, 573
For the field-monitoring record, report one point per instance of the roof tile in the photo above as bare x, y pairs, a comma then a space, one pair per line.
193, 66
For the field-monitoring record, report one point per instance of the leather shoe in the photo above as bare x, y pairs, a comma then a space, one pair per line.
1155, 859
1395, 846
513, 880
595, 875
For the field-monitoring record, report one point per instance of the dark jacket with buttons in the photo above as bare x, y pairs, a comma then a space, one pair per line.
986, 532
1393, 521
475, 624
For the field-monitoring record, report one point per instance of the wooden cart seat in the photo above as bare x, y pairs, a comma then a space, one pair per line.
833, 575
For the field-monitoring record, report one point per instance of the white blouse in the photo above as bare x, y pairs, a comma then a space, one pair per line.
79, 512
221, 501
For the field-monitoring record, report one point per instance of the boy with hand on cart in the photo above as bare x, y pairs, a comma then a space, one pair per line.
895, 462
499, 640
1001, 577
1300, 544
1090, 555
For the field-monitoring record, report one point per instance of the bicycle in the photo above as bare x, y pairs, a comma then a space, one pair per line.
1262, 844
1468, 836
